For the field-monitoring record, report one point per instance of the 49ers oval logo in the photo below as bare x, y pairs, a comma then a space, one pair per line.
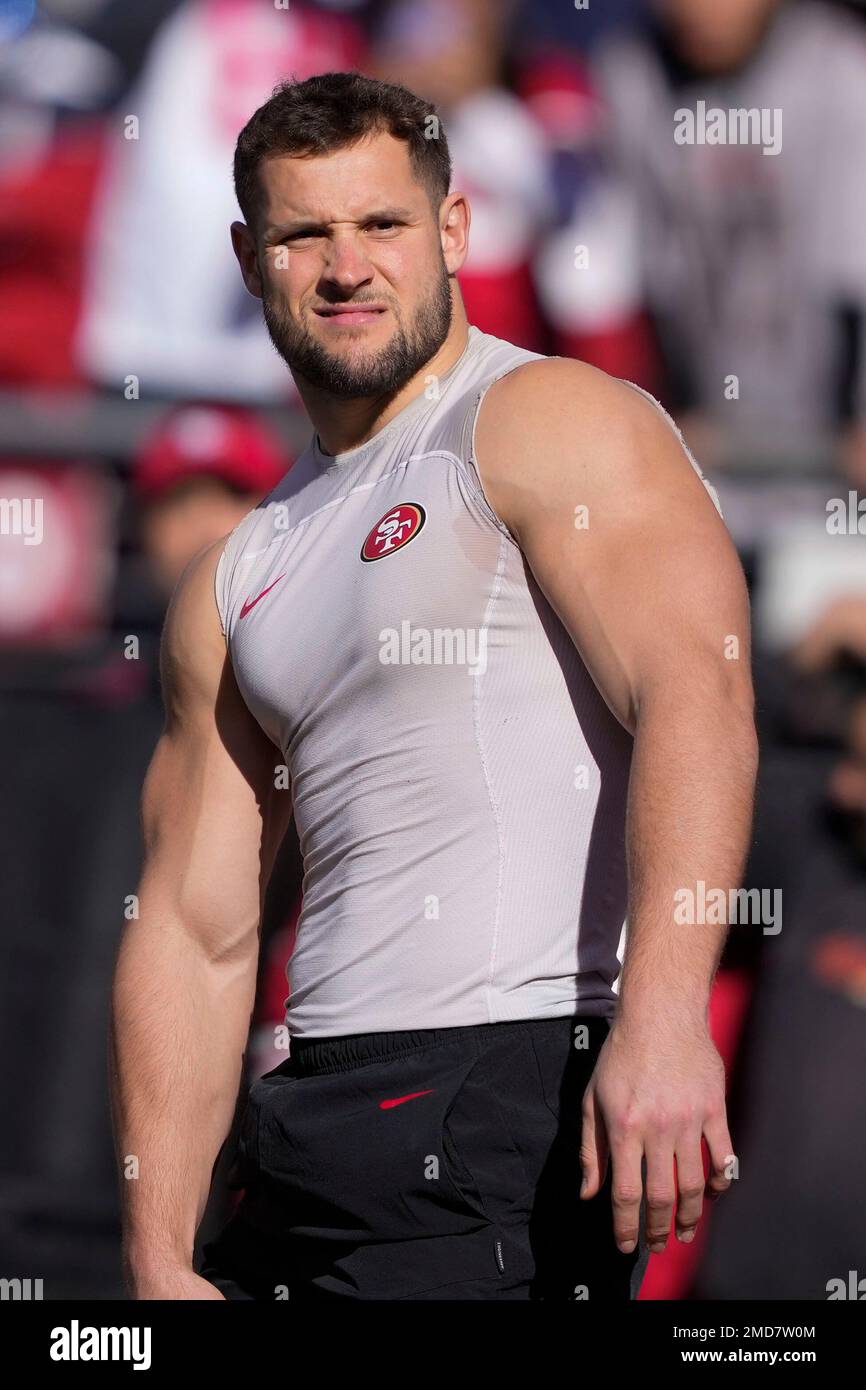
395, 529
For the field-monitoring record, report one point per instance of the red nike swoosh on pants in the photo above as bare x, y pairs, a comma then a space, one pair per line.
400, 1100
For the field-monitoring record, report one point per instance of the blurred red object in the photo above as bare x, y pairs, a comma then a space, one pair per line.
503, 302
625, 348
56, 553
560, 93
839, 961
44, 212
219, 441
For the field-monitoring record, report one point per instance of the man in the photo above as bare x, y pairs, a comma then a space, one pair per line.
491, 601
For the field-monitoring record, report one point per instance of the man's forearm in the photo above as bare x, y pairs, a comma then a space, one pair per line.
179, 1028
689, 825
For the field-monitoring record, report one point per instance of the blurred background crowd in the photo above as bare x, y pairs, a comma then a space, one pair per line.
144, 410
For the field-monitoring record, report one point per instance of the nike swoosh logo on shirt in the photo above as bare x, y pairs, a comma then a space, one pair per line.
401, 1100
249, 605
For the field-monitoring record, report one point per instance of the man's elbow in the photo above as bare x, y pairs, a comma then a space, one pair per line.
217, 930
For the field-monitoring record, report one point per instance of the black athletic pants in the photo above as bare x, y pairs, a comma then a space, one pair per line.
434, 1164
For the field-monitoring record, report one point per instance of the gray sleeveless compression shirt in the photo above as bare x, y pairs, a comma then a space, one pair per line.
458, 783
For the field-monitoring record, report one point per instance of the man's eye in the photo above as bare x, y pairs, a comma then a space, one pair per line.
383, 226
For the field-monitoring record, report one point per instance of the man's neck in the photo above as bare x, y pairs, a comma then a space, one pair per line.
344, 424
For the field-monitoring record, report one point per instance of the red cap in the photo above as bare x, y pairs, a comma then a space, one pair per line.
214, 441
560, 93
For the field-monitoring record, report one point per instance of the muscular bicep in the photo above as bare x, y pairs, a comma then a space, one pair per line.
619, 532
214, 809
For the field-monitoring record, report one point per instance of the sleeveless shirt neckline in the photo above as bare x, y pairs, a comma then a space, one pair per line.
413, 407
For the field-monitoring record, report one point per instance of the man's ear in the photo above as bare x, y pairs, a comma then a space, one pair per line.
244, 246
454, 218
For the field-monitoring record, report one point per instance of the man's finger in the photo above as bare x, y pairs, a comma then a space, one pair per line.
690, 1185
593, 1147
660, 1192
627, 1190
721, 1156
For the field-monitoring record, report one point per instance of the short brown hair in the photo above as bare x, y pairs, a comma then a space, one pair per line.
335, 109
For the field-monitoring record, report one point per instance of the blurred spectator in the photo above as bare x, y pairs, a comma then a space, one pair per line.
52, 70
751, 255
584, 269
54, 80
195, 479
585, 273
165, 301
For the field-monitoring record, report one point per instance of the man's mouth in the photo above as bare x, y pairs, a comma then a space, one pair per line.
351, 314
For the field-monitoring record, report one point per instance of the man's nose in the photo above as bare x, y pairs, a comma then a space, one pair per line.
346, 264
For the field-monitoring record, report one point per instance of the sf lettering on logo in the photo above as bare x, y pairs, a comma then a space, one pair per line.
390, 531
394, 530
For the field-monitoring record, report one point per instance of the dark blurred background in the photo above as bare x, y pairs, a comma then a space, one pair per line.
143, 412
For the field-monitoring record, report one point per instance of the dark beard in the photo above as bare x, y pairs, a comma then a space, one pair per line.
383, 373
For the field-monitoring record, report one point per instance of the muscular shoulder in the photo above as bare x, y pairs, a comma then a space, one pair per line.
556, 428
562, 404
562, 379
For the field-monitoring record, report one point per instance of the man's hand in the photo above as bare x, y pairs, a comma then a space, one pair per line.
654, 1095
